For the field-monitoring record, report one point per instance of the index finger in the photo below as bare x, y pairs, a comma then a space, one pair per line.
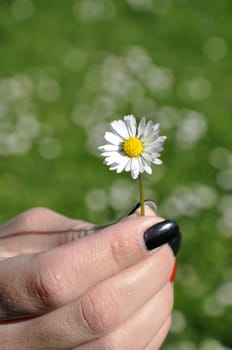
33, 284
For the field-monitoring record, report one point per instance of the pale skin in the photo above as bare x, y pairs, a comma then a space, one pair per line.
103, 291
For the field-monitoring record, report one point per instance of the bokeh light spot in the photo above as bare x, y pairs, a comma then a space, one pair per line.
96, 199
75, 59
215, 48
49, 148
179, 322
48, 89
22, 9
94, 10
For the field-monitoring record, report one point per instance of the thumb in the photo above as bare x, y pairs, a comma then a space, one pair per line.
150, 210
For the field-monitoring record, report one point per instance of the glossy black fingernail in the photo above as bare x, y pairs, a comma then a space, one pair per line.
164, 232
175, 244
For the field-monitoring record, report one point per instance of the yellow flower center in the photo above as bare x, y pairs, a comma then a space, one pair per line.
133, 147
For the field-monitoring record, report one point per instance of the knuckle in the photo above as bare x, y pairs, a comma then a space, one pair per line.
119, 340
36, 210
43, 284
29, 217
119, 248
111, 342
99, 311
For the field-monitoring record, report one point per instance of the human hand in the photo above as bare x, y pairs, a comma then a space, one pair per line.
95, 293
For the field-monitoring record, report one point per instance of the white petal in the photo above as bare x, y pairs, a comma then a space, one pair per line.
142, 164
150, 133
135, 168
156, 127
109, 147
123, 164
111, 163
149, 148
116, 155
131, 124
155, 156
147, 157
120, 128
147, 130
157, 161
153, 148
158, 147
161, 139
128, 166
148, 169
110, 154
141, 127
114, 166
112, 138
134, 174
113, 158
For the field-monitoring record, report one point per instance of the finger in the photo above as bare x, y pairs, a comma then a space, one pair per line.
38, 219
109, 304
41, 282
159, 338
147, 322
20, 281
150, 210
8, 330
42, 220
40, 229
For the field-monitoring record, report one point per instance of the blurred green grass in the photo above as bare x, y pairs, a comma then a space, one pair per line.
53, 56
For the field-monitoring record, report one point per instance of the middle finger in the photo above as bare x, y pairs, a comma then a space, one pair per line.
104, 307
142, 328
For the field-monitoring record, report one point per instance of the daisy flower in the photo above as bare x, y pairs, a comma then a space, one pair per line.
131, 147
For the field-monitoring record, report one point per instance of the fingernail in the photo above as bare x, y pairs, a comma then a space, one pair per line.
173, 275
164, 232
175, 244
150, 203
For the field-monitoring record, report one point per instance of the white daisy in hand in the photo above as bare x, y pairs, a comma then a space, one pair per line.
132, 147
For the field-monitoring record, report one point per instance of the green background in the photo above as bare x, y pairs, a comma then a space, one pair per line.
68, 68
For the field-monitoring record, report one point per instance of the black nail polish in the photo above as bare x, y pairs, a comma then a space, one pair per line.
164, 232
175, 244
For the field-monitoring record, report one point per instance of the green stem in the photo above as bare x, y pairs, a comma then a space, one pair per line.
141, 195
